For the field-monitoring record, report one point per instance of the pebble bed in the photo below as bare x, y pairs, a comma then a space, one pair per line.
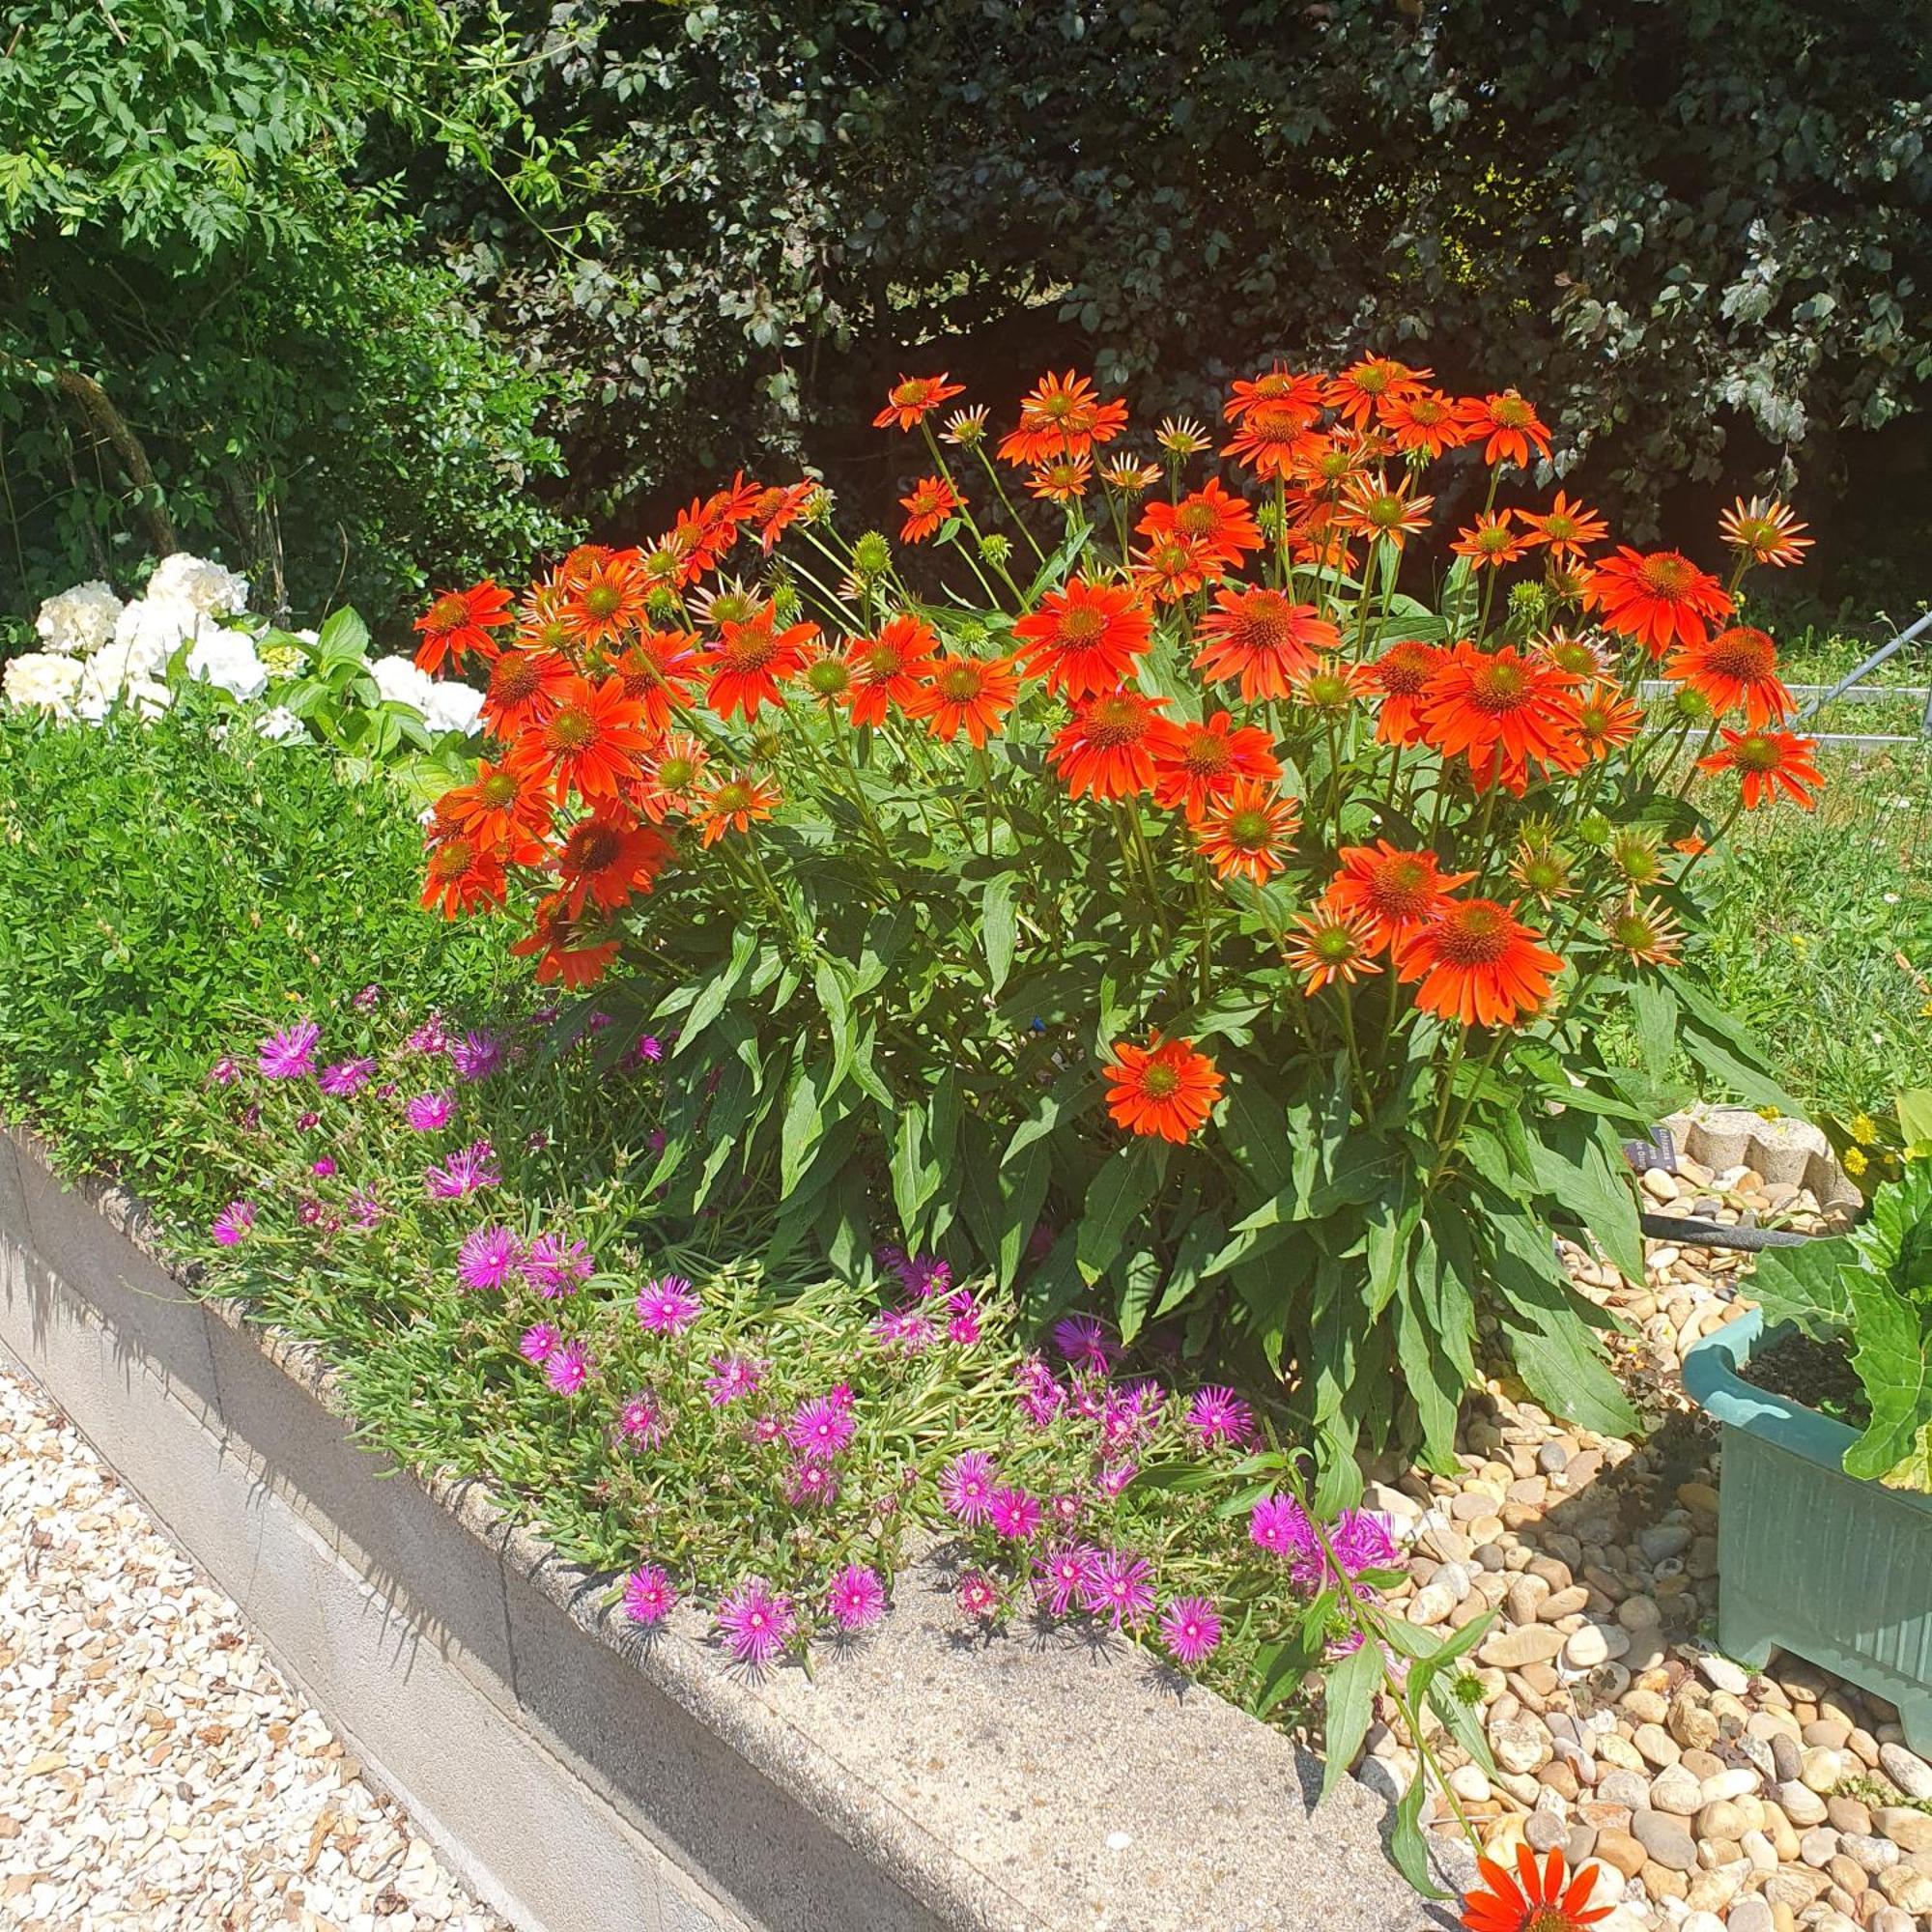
155, 1769
1713, 1797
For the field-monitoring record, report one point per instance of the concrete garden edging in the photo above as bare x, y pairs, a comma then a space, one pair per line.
583, 1778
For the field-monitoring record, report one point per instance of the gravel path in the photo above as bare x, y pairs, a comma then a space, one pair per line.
155, 1769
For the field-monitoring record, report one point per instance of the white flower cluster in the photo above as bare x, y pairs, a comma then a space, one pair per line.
445, 705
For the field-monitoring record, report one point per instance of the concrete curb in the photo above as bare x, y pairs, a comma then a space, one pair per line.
582, 1777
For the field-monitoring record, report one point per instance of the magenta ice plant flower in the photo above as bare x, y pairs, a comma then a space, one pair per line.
648, 1595
554, 1265
963, 1329
225, 1071
323, 1167
568, 1368
429, 1112
667, 1305
756, 1622
345, 1078
1119, 1586
232, 1224
1014, 1513
642, 1422
812, 1484
820, 1428
855, 1598
979, 1594
289, 1052
476, 1055
431, 1036
1190, 1626
1060, 1576
490, 1255
365, 1209
1083, 1342
966, 1486
539, 1343
1218, 1414
465, 1170
1278, 1524
731, 1377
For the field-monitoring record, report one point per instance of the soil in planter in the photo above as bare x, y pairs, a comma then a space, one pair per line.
1817, 1373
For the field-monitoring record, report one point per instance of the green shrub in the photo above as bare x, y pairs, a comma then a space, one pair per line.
157, 891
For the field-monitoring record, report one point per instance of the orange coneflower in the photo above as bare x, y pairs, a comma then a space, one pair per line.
592, 740
1202, 763
1502, 704
1062, 416
1062, 479
742, 501
1396, 892
1164, 1088
669, 564
1659, 599
1355, 393
748, 660
1336, 944
730, 601
1182, 437
966, 429
1281, 390
525, 687
1606, 719
1108, 749
1644, 933
1213, 518
1568, 529
1765, 531
732, 804
1261, 637
1581, 657
1767, 763
569, 954
1490, 541
886, 670
507, 805
1736, 669
1540, 870
1381, 511
1478, 963
608, 600
1402, 675
913, 398
459, 622
1533, 1900
461, 874
667, 778
1510, 423
827, 677
932, 500
1243, 835
1423, 422
607, 856
1170, 568
965, 694
1084, 638
1273, 435
1331, 684
1129, 477
657, 670
778, 508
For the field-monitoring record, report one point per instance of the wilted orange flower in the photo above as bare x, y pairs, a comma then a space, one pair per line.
1336, 945
459, 622
1062, 416
1326, 461
506, 806
913, 398
1262, 638
1129, 477
1533, 1900
1283, 393
1768, 763
1062, 480
1202, 763
1221, 524
1356, 392
592, 740
1764, 531
1422, 422
1163, 1087
657, 670
886, 670
1581, 657
1402, 675
570, 951
1490, 541
966, 429
523, 689
1243, 835
1659, 599
968, 694
1510, 425
667, 778
1374, 507
1568, 529
1504, 706
1606, 719
1331, 684
1737, 669
1168, 569
932, 500
1396, 892
1478, 963
1108, 749
1273, 433
461, 873
748, 658
607, 856
1644, 933
606, 602
1182, 437
1084, 638
732, 804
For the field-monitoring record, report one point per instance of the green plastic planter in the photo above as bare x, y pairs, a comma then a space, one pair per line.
1829, 1567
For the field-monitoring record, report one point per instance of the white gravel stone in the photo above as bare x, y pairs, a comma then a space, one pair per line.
155, 1768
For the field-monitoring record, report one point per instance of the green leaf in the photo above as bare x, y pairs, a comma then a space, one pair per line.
1348, 1706
1579, 1165
1119, 1193
1405, 1847
1654, 1010
342, 640
803, 1124
998, 926
1915, 1115
1894, 1363
1806, 1286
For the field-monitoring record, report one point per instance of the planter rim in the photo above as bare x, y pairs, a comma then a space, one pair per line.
1713, 1380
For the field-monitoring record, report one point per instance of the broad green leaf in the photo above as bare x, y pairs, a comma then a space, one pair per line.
1119, 1191
998, 927
1893, 1360
1806, 1286
1348, 1706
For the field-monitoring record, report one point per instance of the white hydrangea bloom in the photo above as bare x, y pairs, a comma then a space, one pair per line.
41, 679
227, 659
280, 725
400, 682
154, 629
147, 698
104, 676
209, 589
78, 621
453, 706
